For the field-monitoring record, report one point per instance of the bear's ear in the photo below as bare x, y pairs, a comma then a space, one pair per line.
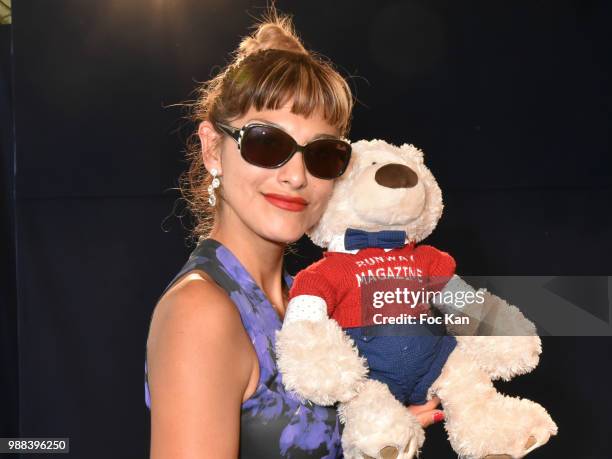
412, 152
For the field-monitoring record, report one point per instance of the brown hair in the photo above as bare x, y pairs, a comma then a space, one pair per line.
269, 67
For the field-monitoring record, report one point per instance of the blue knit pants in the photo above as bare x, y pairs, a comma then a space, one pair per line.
407, 363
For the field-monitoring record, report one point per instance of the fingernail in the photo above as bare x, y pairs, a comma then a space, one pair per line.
439, 416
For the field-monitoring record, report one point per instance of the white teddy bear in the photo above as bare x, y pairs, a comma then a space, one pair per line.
386, 202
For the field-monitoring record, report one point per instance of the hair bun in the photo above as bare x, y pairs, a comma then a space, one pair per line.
275, 32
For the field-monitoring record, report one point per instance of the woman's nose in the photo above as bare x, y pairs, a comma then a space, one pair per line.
294, 171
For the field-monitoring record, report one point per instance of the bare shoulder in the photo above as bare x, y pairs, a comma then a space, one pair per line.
200, 363
197, 313
196, 297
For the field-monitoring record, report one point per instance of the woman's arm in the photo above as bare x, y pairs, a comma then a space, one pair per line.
200, 364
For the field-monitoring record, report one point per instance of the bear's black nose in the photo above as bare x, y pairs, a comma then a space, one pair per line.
396, 176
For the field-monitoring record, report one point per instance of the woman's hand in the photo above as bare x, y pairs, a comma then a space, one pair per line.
427, 413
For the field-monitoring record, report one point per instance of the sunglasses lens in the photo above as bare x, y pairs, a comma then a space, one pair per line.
266, 146
327, 158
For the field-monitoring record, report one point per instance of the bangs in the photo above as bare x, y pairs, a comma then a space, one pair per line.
315, 87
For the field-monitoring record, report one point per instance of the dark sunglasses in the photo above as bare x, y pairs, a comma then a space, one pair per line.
267, 146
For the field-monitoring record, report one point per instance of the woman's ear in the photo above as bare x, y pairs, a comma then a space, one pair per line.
210, 141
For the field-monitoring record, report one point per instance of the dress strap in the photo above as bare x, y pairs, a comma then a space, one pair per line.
222, 266
200, 257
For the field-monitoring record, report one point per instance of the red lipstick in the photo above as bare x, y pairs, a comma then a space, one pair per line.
292, 203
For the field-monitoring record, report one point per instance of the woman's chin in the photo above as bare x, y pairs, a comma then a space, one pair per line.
286, 233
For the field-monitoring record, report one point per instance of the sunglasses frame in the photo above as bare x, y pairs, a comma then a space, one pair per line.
238, 133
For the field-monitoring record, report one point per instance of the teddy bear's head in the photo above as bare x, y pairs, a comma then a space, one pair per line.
385, 187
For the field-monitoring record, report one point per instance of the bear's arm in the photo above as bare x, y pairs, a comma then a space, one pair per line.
317, 359
487, 313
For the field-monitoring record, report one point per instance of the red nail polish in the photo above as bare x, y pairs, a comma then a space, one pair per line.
439, 416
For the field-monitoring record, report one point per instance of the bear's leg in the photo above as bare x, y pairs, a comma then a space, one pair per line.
482, 423
378, 426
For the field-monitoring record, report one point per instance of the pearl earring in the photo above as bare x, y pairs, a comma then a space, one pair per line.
212, 199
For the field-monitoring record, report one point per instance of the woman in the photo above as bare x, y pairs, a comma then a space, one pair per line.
212, 382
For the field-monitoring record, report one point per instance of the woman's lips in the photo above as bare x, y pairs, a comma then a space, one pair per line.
292, 203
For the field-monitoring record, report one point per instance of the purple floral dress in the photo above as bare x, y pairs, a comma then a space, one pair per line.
273, 423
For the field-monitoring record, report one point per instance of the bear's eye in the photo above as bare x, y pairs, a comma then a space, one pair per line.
373, 162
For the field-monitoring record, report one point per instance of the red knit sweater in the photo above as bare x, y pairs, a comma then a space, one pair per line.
337, 277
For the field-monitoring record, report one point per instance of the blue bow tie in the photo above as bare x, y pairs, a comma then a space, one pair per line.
386, 239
